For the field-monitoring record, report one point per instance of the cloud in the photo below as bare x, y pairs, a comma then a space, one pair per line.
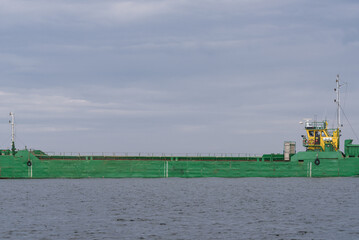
132, 11
26, 128
18, 63
107, 101
94, 12
175, 75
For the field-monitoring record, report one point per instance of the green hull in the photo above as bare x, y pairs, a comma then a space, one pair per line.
27, 164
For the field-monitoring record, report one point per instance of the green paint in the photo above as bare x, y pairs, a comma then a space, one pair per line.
302, 164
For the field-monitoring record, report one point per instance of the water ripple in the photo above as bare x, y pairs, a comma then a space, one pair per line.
206, 208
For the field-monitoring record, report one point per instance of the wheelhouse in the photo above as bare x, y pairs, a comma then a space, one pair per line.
320, 138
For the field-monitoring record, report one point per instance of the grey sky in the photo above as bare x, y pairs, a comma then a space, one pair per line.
174, 76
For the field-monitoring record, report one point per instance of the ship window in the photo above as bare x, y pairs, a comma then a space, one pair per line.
300, 160
311, 133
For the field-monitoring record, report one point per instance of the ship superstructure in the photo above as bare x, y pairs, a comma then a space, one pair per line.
320, 138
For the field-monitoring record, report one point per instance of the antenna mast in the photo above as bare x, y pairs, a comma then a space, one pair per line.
338, 101
12, 122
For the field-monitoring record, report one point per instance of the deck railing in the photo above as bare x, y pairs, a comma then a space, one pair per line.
146, 154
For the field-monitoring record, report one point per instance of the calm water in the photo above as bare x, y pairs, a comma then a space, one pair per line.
206, 208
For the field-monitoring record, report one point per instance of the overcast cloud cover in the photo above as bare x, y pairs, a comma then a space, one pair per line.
174, 76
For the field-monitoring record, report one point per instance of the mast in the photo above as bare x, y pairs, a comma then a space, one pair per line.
12, 122
338, 102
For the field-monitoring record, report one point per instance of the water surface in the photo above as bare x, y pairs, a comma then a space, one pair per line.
173, 208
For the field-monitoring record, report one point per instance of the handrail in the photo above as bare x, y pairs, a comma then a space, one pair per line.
147, 154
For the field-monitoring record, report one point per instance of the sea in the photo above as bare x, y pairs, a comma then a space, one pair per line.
176, 208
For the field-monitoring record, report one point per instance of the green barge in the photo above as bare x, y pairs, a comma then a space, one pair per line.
322, 158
